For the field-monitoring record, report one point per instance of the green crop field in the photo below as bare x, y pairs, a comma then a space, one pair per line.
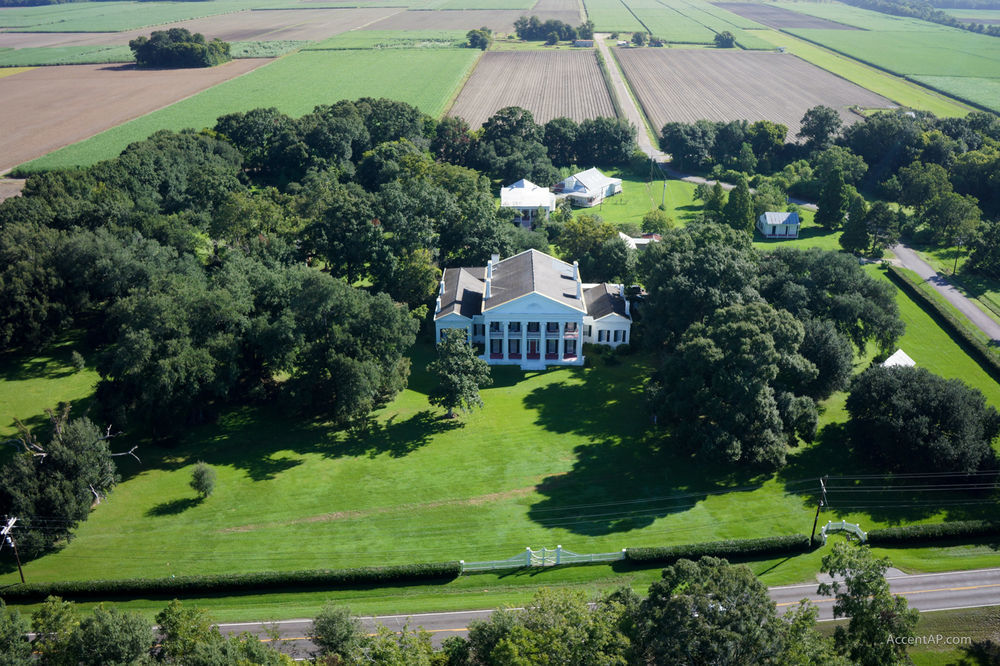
859, 18
895, 88
426, 78
669, 24
612, 16
948, 53
982, 91
390, 39
718, 20
114, 16
84, 55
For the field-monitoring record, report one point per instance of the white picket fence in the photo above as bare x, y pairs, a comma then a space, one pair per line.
843, 526
543, 557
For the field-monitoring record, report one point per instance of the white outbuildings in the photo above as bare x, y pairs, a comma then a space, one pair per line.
779, 225
529, 200
588, 188
899, 358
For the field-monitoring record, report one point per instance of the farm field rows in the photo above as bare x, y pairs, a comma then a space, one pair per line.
87, 55
50, 107
497, 20
947, 52
426, 78
859, 18
718, 20
668, 24
778, 17
114, 16
983, 91
688, 85
297, 25
390, 39
550, 84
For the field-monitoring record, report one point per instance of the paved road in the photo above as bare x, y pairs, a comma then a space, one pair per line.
912, 260
940, 591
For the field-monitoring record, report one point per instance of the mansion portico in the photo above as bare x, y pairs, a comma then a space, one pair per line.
531, 310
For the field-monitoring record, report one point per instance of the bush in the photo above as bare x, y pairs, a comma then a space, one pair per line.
312, 579
334, 630
203, 479
777, 545
956, 530
77, 360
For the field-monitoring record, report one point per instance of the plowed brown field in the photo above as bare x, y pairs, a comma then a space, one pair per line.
50, 107
550, 84
688, 85
261, 25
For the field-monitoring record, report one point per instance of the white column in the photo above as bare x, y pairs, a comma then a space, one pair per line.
506, 326
524, 340
562, 340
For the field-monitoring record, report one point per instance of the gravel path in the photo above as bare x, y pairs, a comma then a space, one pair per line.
632, 112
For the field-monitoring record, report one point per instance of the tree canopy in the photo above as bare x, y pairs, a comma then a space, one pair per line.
178, 47
459, 371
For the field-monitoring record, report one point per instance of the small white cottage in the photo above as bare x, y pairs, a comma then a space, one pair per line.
779, 225
588, 188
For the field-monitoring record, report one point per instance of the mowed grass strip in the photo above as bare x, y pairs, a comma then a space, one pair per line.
892, 87
295, 84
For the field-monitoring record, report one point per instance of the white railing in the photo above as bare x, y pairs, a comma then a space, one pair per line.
543, 557
843, 526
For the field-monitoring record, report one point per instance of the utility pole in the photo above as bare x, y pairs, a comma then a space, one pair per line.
5, 534
822, 503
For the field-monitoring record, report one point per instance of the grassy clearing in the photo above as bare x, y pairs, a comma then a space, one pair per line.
114, 16
30, 385
639, 196
426, 78
895, 88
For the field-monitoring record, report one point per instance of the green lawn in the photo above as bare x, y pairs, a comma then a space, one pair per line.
810, 235
640, 196
895, 88
426, 78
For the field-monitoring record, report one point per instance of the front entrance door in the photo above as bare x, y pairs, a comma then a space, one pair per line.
533, 348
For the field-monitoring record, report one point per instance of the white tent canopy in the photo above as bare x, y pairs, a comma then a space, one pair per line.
899, 359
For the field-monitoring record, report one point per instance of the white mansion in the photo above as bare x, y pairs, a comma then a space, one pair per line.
531, 310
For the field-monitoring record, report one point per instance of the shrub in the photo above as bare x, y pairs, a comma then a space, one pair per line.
77, 360
956, 530
776, 545
203, 479
312, 579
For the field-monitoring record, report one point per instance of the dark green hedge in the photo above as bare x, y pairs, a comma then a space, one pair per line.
777, 545
975, 347
323, 578
937, 532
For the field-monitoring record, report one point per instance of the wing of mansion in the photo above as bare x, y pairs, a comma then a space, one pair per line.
531, 310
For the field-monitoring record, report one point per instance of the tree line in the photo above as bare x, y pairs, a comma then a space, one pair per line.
533, 29
939, 171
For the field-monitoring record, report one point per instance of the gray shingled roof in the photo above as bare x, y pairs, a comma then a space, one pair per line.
463, 291
602, 301
533, 271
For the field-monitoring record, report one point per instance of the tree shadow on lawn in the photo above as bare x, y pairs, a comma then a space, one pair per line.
174, 507
628, 475
258, 440
884, 497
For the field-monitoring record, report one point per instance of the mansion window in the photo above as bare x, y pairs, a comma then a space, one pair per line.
571, 348
552, 327
533, 327
496, 347
494, 327
618, 335
477, 329
571, 327
514, 346
514, 327
552, 347
587, 330
602, 336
